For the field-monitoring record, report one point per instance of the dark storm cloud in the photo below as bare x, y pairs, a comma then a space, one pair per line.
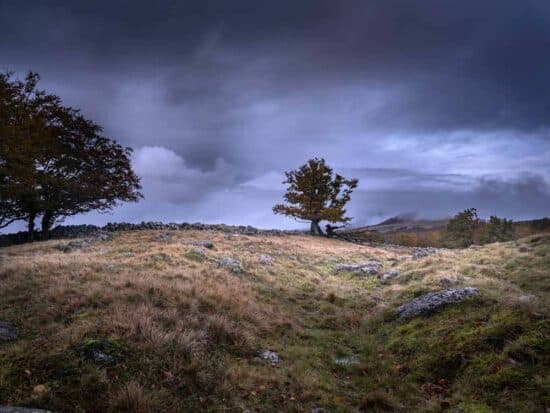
422, 96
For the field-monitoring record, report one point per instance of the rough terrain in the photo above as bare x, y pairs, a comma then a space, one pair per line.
171, 321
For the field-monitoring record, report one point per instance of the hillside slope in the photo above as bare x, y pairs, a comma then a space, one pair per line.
149, 321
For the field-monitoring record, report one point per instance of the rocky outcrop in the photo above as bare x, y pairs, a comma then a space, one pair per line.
431, 302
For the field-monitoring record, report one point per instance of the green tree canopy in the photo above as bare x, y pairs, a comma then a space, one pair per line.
316, 194
54, 162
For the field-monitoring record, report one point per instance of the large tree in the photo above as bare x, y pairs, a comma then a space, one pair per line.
316, 194
53, 161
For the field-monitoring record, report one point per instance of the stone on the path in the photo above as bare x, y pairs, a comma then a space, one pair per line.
364, 268
266, 259
389, 275
430, 302
205, 244
270, 356
8, 331
231, 264
14, 409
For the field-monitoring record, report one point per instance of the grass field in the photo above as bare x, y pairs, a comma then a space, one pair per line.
183, 334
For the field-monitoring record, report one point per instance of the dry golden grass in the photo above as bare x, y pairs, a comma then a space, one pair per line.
187, 332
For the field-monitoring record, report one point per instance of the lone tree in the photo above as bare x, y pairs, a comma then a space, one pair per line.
54, 162
316, 194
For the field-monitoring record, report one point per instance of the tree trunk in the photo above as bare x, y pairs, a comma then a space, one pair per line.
47, 222
30, 226
315, 229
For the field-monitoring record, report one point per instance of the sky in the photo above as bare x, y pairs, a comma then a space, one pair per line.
434, 105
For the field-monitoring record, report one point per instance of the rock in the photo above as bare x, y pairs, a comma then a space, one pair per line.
423, 252
346, 361
231, 264
428, 303
523, 248
265, 259
270, 356
102, 236
101, 358
452, 280
196, 254
166, 237
205, 244
74, 246
13, 409
389, 275
127, 254
8, 331
364, 268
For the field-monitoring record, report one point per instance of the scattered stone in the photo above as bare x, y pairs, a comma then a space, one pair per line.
127, 254
423, 252
101, 358
75, 246
364, 268
8, 331
266, 259
231, 264
99, 351
102, 236
389, 275
166, 237
449, 281
205, 244
346, 361
430, 302
14, 409
270, 356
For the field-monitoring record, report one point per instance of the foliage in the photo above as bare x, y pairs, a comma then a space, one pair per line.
53, 161
461, 229
497, 230
316, 194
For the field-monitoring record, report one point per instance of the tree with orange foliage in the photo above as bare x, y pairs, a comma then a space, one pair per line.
316, 194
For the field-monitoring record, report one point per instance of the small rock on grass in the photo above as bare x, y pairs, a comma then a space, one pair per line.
389, 275
205, 244
364, 268
266, 259
231, 264
8, 331
270, 356
430, 302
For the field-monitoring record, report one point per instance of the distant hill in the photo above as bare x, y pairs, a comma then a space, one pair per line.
403, 224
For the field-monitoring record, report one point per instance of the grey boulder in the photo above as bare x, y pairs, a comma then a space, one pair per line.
430, 302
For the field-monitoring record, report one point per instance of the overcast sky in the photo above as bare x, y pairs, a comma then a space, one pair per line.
435, 106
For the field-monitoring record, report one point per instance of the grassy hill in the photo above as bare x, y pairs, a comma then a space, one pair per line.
146, 322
